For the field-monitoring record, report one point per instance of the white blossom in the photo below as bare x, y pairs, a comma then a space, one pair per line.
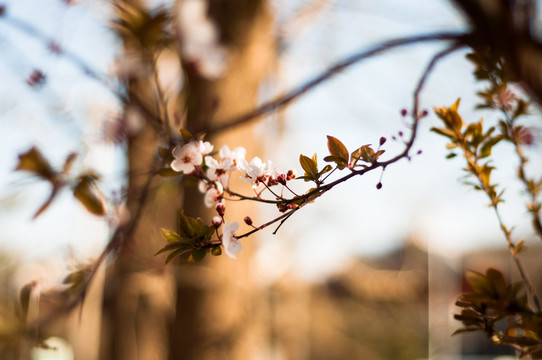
186, 157
190, 155
231, 244
256, 170
237, 155
216, 170
214, 195
200, 39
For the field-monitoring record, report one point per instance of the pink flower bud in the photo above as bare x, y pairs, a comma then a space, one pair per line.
526, 136
220, 209
216, 221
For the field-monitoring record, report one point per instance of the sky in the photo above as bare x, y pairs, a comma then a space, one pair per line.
421, 200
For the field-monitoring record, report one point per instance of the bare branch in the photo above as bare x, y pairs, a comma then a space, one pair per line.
330, 72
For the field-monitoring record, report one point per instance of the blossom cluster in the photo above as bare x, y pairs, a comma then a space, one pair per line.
195, 158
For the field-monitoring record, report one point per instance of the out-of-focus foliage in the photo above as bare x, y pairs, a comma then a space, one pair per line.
493, 303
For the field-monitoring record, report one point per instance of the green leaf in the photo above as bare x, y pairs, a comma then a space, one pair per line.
88, 194
310, 167
326, 169
185, 229
341, 163
197, 255
216, 251
169, 235
337, 148
497, 282
485, 151
165, 154
366, 153
176, 253
187, 136
478, 282
166, 172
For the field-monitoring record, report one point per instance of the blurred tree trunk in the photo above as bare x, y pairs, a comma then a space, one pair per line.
216, 307
204, 313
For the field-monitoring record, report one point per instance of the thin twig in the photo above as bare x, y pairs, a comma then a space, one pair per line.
319, 191
32, 31
116, 242
333, 70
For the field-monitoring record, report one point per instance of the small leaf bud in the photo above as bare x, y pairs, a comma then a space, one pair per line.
220, 209
216, 221
248, 220
272, 181
55, 48
404, 112
37, 77
216, 251
292, 174
282, 207
382, 140
379, 186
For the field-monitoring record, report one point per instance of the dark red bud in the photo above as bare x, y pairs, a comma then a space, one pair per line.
281, 179
404, 112
248, 220
425, 113
2, 10
272, 182
291, 175
220, 209
382, 140
379, 186
282, 207
37, 77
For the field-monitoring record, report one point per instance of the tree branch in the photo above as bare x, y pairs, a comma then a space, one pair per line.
330, 72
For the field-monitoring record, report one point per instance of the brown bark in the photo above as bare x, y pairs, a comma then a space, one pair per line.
216, 299
211, 300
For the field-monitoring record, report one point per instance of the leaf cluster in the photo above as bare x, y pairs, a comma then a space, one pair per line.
340, 156
475, 144
149, 29
192, 236
492, 300
84, 186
